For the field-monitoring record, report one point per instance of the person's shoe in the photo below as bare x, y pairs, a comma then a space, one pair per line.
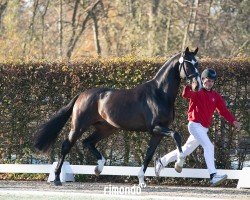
218, 179
158, 167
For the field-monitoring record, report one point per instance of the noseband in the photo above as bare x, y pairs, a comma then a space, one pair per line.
187, 77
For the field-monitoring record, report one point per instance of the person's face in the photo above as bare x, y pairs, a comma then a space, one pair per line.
208, 83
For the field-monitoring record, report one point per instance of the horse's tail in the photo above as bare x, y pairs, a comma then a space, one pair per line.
49, 131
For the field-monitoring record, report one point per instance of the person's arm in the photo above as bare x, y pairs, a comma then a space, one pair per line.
224, 112
188, 93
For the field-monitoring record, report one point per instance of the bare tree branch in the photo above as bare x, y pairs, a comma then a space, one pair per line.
75, 36
43, 26
31, 27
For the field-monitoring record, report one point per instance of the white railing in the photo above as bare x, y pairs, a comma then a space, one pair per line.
68, 171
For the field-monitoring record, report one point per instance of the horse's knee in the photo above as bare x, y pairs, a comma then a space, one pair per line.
157, 130
66, 146
161, 130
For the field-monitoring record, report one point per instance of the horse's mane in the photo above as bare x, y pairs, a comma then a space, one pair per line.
166, 64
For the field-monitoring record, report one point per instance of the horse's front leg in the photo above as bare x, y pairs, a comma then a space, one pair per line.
153, 143
177, 138
180, 157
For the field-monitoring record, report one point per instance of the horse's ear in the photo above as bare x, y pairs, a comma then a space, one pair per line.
196, 50
187, 50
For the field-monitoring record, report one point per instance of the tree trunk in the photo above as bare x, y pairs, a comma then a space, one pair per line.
60, 27
207, 24
168, 25
43, 27
31, 27
3, 7
73, 26
153, 8
108, 40
188, 26
131, 8
192, 28
185, 37
96, 34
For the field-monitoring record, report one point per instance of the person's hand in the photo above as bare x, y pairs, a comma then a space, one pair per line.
237, 125
189, 82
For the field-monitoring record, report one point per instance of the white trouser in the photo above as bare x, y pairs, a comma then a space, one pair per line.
198, 136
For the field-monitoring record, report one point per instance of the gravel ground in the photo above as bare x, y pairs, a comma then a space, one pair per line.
9, 190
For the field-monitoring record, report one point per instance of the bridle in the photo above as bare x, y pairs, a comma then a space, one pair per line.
187, 77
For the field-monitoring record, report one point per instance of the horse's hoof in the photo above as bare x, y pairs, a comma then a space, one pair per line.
57, 183
177, 168
142, 183
97, 172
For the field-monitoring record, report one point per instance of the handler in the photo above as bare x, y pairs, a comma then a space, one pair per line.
202, 105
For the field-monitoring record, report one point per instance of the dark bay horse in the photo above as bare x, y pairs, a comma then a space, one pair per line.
149, 107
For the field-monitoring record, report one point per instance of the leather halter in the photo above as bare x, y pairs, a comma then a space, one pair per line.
181, 61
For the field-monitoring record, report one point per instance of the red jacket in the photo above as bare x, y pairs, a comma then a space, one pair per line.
202, 105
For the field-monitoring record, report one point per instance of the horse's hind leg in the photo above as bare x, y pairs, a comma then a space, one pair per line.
103, 130
66, 146
153, 143
65, 149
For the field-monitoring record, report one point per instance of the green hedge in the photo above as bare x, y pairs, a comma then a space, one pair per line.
32, 91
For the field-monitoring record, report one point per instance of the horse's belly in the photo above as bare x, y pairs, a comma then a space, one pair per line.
123, 112
123, 120
131, 124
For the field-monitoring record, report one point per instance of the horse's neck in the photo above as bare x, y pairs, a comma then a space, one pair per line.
168, 78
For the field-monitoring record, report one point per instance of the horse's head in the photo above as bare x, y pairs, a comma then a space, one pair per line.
188, 68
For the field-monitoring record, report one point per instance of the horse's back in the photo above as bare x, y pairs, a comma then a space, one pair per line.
121, 108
